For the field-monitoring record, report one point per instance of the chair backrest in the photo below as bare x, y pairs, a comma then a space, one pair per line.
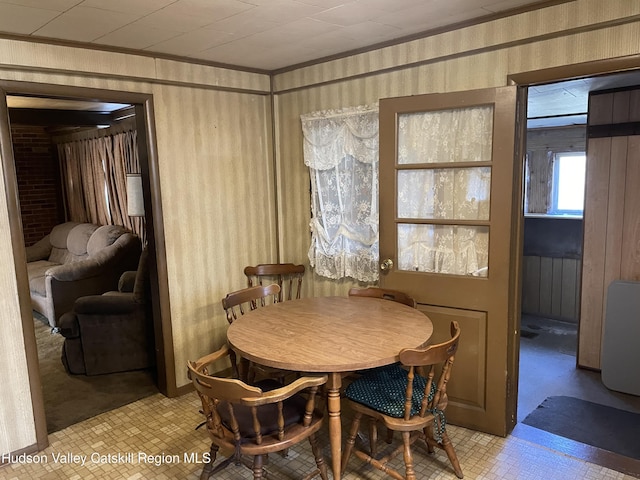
432, 358
239, 414
384, 293
287, 275
236, 303
142, 283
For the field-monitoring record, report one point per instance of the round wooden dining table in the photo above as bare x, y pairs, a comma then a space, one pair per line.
331, 335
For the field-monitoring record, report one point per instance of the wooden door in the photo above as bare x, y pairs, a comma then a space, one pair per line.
449, 235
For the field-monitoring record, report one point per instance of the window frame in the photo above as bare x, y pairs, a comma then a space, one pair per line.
554, 210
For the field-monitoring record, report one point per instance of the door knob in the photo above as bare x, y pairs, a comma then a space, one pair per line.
386, 265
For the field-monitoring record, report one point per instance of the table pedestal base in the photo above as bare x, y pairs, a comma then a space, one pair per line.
334, 385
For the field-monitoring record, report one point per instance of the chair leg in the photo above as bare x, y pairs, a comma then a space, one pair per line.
410, 473
447, 446
317, 454
243, 369
428, 439
208, 468
251, 374
451, 453
389, 438
351, 440
373, 437
257, 467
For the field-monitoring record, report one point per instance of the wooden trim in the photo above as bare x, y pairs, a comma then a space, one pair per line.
613, 130
22, 281
13, 87
129, 78
165, 355
516, 261
442, 165
450, 222
274, 145
513, 79
577, 70
184, 390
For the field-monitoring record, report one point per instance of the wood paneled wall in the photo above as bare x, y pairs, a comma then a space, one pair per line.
221, 195
551, 287
219, 206
612, 217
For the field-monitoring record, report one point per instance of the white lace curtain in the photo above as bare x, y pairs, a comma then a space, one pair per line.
461, 135
341, 151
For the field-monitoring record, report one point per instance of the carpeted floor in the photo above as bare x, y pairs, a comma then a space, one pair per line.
586, 422
69, 399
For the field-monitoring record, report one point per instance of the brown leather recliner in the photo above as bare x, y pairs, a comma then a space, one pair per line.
112, 332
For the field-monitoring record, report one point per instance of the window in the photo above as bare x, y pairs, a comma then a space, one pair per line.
568, 183
341, 151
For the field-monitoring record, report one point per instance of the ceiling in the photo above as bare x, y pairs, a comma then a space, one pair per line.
257, 34
566, 103
268, 35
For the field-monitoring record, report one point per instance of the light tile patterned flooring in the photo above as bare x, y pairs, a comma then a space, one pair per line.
153, 438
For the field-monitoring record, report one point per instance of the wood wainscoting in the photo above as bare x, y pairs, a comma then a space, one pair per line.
551, 287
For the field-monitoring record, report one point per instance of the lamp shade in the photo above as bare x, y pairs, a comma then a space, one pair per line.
135, 200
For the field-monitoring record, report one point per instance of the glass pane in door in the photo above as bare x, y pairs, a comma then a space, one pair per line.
444, 193
446, 249
467, 136
447, 193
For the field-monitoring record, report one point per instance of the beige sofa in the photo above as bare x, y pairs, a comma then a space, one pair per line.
78, 259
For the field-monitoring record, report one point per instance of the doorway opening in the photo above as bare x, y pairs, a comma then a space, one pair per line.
35, 118
553, 247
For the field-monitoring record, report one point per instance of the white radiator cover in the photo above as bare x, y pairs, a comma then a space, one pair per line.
621, 338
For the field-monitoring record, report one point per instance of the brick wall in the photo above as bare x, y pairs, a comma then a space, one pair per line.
38, 176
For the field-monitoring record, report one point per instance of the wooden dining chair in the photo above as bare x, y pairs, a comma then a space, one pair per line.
235, 305
407, 402
384, 293
286, 275
394, 296
250, 420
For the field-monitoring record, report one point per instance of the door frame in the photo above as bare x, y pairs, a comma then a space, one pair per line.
523, 81
147, 151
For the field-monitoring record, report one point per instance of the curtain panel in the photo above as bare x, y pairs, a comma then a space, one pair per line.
94, 171
341, 151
